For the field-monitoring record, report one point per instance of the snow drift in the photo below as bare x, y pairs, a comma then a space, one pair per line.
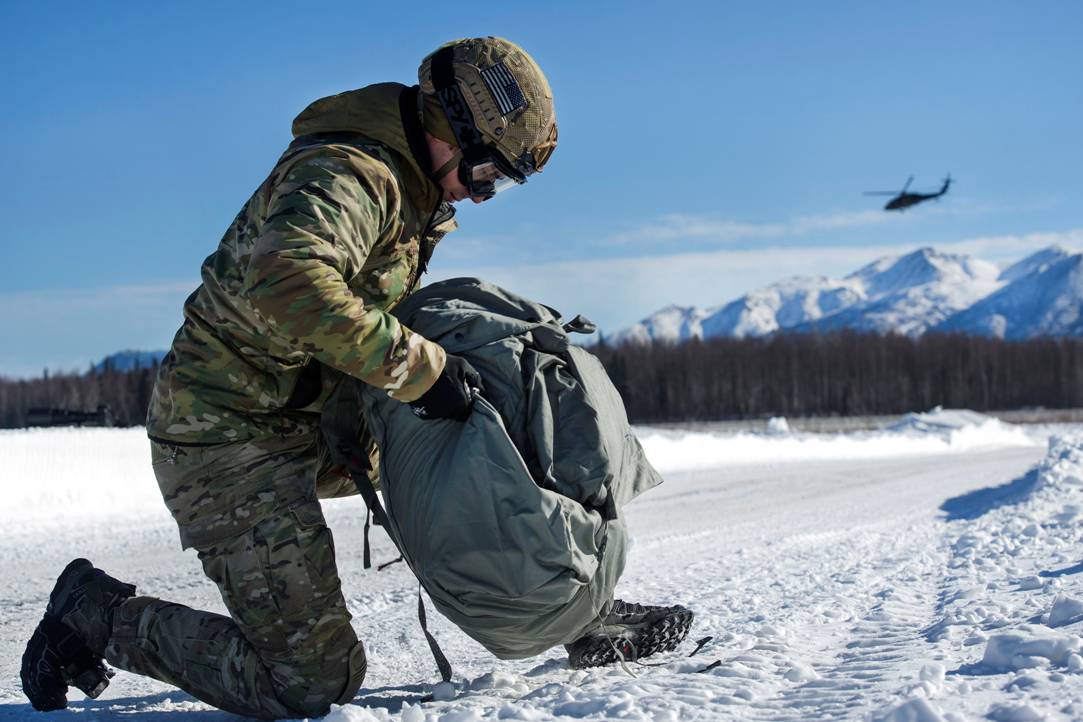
52, 478
936, 432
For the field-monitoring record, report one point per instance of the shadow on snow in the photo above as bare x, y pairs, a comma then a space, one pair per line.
1075, 569
150, 708
981, 501
383, 697
129, 709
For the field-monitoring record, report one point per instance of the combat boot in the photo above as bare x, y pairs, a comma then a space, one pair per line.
630, 632
69, 641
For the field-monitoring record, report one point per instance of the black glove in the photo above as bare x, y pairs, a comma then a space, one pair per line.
453, 393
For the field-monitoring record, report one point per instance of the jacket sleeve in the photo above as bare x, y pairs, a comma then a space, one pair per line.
322, 221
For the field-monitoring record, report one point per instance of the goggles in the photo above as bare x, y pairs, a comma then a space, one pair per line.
489, 176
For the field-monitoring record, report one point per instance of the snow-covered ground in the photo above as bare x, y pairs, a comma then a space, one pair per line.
930, 571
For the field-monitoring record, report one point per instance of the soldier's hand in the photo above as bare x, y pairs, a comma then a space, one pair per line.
452, 396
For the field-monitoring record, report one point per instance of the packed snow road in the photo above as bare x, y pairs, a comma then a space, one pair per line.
921, 574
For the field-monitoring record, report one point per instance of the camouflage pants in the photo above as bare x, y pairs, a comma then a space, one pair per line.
287, 649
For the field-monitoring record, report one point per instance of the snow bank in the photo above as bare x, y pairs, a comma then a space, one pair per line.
778, 425
50, 478
1030, 645
1061, 473
1013, 571
941, 421
1066, 610
936, 432
914, 710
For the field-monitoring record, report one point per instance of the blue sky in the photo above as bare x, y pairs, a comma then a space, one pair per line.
705, 149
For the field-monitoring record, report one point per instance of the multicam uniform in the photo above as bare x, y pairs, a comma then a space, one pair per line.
296, 295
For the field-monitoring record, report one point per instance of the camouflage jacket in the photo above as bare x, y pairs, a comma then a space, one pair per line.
300, 285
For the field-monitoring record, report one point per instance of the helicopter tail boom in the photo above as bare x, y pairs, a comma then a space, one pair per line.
947, 184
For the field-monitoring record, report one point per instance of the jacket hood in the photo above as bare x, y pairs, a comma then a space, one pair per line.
375, 112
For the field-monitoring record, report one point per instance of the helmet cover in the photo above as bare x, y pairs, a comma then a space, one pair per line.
507, 95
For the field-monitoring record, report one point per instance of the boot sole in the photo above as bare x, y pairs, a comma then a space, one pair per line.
76, 666
661, 635
44, 680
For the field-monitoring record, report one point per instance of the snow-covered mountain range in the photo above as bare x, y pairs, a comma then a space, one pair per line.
1041, 295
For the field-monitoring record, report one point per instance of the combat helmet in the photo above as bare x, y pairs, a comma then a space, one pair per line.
498, 109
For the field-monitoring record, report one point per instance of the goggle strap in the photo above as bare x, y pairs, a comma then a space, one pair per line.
451, 164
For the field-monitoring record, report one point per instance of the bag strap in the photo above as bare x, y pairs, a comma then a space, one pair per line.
437, 654
341, 418
339, 424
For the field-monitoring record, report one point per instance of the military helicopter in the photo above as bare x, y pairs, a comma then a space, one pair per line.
904, 200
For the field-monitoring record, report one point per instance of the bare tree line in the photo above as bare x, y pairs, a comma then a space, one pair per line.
844, 373
127, 393
836, 374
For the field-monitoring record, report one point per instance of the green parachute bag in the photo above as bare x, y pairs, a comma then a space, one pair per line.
512, 520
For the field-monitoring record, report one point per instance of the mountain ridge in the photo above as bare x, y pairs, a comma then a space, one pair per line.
913, 293
130, 360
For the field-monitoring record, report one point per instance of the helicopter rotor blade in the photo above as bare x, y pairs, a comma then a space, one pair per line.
881, 193
908, 182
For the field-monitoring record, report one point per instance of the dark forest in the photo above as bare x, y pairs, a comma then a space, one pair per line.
127, 393
796, 375
842, 374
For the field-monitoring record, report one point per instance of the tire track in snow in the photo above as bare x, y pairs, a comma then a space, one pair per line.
888, 579
880, 657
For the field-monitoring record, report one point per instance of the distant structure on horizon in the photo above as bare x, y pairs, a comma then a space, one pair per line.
48, 417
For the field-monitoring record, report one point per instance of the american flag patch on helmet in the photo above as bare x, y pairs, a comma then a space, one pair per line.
505, 90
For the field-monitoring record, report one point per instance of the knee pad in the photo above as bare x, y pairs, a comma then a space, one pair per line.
357, 667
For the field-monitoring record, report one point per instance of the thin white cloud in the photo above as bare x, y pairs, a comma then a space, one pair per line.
711, 229
64, 329
71, 299
678, 226
968, 207
1013, 248
834, 221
